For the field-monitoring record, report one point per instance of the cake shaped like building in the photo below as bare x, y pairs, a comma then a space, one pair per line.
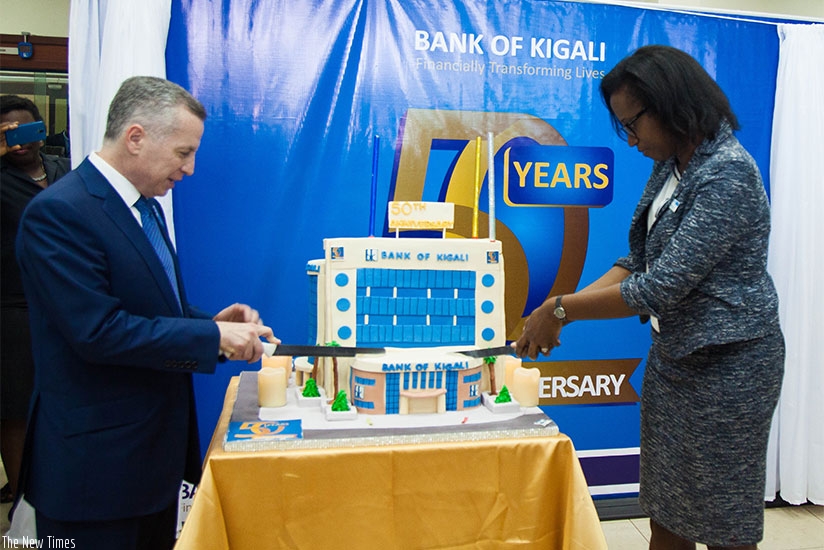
424, 299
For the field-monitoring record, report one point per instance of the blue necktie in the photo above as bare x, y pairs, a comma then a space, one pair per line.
148, 209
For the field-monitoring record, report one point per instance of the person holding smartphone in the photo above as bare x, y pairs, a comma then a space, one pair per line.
24, 172
4, 146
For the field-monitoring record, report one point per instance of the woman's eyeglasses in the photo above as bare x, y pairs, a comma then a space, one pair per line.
627, 129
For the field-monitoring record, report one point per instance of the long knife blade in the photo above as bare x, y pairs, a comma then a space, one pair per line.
270, 349
315, 351
489, 352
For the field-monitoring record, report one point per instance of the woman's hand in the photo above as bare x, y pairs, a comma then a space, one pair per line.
542, 331
4, 147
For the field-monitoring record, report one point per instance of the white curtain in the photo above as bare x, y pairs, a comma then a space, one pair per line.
795, 462
109, 41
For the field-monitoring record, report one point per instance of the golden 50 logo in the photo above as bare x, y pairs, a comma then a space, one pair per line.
544, 188
552, 175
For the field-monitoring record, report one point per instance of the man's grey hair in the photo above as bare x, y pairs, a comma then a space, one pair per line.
150, 102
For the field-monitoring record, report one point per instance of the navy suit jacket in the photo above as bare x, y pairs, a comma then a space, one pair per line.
112, 428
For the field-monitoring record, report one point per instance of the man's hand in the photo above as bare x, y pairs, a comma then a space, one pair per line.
241, 329
240, 313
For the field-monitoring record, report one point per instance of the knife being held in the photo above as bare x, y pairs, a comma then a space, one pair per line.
270, 350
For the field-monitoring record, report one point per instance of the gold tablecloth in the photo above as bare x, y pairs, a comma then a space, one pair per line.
519, 493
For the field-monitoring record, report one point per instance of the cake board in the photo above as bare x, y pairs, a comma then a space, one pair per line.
370, 430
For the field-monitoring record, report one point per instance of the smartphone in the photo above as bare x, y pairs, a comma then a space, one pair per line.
26, 133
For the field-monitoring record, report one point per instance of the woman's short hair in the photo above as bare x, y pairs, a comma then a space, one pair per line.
673, 87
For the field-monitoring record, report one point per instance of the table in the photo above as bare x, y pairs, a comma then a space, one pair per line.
520, 492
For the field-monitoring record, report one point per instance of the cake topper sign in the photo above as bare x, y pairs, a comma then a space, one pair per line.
421, 215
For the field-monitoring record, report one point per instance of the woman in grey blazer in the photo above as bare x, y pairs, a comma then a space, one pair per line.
697, 266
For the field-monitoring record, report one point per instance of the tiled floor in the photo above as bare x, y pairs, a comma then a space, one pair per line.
786, 528
4, 520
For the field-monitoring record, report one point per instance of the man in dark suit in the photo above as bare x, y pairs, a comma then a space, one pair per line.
112, 428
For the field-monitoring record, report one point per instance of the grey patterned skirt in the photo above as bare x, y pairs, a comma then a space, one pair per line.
705, 421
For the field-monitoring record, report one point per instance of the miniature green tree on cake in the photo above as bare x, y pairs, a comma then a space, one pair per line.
504, 396
334, 344
490, 364
317, 360
310, 389
341, 403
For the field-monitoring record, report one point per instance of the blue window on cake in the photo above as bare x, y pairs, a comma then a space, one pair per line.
313, 307
375, 319
470, 403
472, 377
358, 391
473, 390
411, 320
360, 404
415, 308
364, 381
441, 320
411, 293
392, 397
467, 320
452, 390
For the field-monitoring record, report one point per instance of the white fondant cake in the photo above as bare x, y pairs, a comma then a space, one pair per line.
424, 300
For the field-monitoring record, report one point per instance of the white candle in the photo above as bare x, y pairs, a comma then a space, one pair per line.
282, 361
272, 387
525, 386
510, 364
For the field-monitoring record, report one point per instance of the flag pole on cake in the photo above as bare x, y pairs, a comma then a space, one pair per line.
376, 142
490, 174
477, 187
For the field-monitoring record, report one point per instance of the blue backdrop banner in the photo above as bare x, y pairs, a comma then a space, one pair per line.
299, 95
